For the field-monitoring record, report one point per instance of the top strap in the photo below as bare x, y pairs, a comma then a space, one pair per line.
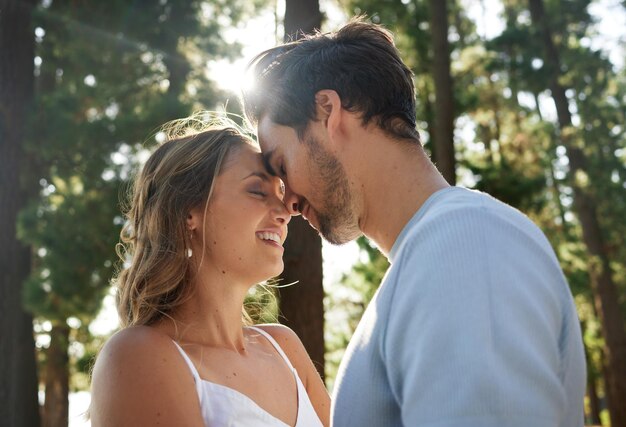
192, 368
275, 344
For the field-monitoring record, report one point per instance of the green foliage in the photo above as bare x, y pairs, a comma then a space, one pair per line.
75, 254
108, 74
261, 304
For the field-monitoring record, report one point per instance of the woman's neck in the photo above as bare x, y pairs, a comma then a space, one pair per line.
211, 315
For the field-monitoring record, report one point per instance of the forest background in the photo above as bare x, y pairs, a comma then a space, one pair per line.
523, 99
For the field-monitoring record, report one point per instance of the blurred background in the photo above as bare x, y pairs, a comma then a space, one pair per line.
523, 99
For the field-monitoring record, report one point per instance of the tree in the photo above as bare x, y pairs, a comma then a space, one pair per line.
18, 380
108, 74
302, 305
301, 17
443, 135
603, 285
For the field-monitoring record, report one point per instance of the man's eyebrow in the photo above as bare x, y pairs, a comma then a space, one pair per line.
267, 159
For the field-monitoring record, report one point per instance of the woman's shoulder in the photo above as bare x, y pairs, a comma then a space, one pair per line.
134, 345
136, 337
289, 342
286, 338
134, 363
277, 330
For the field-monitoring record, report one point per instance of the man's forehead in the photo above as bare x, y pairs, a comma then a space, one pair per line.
266, 132
266, 157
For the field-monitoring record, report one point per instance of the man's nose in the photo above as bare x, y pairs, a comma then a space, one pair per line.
292, 202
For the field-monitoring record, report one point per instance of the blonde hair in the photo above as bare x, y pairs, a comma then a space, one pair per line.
178, 177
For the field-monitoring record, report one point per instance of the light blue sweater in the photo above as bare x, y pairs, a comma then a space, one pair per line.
473, 325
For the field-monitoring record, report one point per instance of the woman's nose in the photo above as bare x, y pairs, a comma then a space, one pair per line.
281, 213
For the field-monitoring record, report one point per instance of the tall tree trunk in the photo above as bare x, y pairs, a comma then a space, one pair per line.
55, 412
302, 305
604, 289
443, 138
176, 64
18, 379
301, 17
554, 184
593, 416
594, 402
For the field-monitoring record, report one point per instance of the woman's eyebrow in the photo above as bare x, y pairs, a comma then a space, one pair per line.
262, 175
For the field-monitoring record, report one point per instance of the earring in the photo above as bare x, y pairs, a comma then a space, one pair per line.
189, 251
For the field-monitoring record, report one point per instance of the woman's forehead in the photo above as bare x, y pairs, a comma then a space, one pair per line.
243, 161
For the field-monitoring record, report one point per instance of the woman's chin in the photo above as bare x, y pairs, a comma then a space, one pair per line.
271, 273
278, 270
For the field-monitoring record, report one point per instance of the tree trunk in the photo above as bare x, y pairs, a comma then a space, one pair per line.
593, 416
55, 412
302, 305
594, 402
18, 378
301, 17
605, 292
443, 138
554, 184
176, 65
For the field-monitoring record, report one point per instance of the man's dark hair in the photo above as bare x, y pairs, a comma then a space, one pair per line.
360, 62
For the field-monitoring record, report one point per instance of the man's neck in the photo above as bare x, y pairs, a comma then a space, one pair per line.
395, 179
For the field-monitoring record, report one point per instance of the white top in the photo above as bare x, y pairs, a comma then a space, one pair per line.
473, 325
223, 406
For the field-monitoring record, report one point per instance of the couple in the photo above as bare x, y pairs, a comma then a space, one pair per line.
473, 325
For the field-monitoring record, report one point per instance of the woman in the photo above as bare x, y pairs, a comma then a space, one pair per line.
205, 224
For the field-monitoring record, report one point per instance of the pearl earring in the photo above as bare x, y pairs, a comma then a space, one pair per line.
189, 251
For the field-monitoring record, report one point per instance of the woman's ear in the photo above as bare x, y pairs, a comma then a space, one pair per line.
328, 109
192, 220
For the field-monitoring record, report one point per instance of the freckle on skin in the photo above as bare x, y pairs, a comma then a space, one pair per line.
223, 272
214, 242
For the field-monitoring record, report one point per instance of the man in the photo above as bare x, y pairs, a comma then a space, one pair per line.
474, 324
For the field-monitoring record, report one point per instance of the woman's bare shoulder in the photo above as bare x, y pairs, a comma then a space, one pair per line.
133, 347
140, 377
134, 342
289, 341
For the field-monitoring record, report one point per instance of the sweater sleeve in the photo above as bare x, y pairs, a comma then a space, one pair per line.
472, 334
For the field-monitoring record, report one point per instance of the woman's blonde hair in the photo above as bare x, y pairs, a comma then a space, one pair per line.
178, 177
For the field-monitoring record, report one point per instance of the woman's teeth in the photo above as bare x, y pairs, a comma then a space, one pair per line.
274, 237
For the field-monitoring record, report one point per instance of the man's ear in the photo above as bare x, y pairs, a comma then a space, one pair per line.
328, 109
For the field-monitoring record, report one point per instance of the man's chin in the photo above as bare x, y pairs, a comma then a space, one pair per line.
338, 235
333, 233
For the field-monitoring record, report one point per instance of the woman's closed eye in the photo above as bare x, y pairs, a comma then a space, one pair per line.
258, 192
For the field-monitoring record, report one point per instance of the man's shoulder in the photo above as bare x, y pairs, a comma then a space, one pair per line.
460, 213
466, 230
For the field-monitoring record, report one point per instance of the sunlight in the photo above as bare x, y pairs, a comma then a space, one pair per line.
257, 35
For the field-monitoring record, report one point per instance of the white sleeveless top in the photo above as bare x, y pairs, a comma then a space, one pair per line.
223, 406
